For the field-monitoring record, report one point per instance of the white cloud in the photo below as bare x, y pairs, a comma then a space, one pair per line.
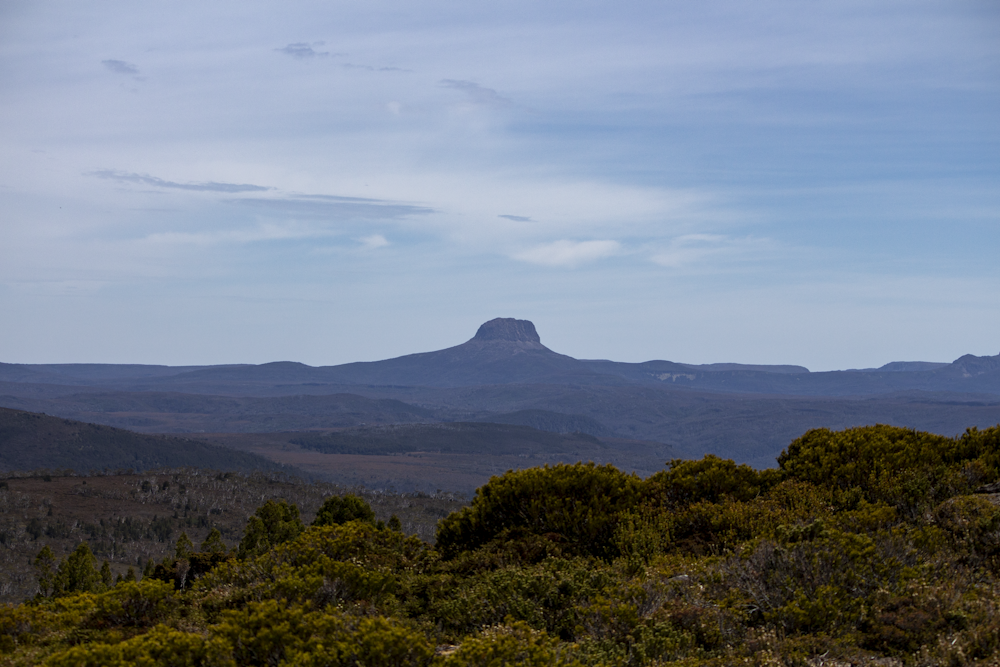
568, 253
374, 241
698, 250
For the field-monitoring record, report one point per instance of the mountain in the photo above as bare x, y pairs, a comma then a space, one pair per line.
29, 441
508, 351
504, 374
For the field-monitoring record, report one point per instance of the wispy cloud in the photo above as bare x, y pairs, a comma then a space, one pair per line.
372, 68
568, 253
698, 249
476, 93
255, 234
329, 206
144, 179
374, 241
120, 67
516, 218
304, 50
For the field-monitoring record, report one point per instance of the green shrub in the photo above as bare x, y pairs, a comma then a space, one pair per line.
337, 510
549, 596
134, 605
353, 562
575, 504
160, 646
707, 479
908, 469
510, 645
274, 522
269, 633
973, 524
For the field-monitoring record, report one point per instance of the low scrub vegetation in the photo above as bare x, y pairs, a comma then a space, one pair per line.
875, 545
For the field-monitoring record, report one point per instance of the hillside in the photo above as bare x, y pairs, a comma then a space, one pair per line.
129, 519
868, 546
30, 441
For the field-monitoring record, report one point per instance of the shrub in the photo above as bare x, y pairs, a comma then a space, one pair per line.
337, 510
160, 646
708, 479
515, 644
903, 467
274, 522
575, 504
130, 604
268, 633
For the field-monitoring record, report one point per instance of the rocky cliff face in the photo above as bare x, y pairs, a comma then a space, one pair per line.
508, 329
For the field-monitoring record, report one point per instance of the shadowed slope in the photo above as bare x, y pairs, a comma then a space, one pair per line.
29, 441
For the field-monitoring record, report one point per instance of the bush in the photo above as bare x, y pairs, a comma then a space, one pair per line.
708, 479
274, 522
515, 644
268, 633
134, 605
573, 504
908, 469
160, 646
337, 510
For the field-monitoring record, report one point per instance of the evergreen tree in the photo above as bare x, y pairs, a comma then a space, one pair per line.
78, 573
184, 546
107, 579
213, 543
274, 522
45, 566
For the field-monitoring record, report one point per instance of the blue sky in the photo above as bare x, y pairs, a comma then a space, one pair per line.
770, 182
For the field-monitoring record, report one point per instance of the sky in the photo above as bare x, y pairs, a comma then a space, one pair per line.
812, 183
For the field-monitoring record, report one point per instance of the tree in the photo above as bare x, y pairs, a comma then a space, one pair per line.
184, 546
213, 543
337, 510
274, 522
45, 566
78, 573
106, 577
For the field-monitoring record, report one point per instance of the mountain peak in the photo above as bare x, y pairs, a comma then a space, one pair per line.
509, 329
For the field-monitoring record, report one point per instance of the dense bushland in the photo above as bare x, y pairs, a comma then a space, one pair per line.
875, 545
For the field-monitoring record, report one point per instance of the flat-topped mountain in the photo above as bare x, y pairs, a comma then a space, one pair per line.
508, 351
505, 374
510, 330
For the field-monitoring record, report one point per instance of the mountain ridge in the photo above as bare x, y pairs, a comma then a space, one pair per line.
510, 351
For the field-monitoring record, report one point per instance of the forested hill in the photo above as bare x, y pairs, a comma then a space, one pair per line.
29, 441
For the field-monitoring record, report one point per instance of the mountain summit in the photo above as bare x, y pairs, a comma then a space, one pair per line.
503, 351
508, 329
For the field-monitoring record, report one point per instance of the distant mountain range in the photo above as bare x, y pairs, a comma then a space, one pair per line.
509, 351
504, 374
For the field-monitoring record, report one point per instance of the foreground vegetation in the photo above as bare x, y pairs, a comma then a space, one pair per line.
875, 545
